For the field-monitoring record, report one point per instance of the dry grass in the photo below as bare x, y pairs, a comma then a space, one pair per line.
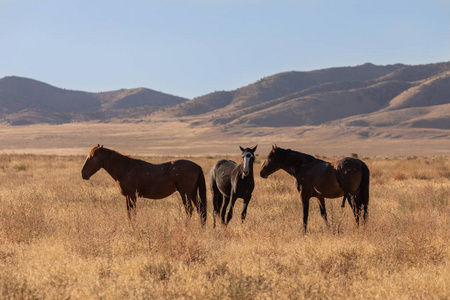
179, 137
62, 237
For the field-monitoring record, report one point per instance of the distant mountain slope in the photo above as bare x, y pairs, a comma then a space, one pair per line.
140, 97
418, 117
321, 107
361, 96
329, 95
18, 93
27, 101
434, 90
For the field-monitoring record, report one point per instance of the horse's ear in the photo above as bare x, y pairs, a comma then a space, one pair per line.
101, 146
274, 148
242, 149
254, 148
98, 145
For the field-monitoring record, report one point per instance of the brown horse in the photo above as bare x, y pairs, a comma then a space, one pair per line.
348, 177
135, 177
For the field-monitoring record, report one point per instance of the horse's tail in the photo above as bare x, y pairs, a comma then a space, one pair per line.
201, 186
364, 189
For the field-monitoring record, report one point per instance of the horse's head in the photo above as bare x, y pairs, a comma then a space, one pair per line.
271, 164
248, 157
93, 162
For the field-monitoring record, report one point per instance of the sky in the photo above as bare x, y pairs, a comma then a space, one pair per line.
194, 47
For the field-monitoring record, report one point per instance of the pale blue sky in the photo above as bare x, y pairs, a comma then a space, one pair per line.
194, 47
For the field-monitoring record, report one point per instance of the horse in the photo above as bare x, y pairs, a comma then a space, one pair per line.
135, 177
228, 180
347, 177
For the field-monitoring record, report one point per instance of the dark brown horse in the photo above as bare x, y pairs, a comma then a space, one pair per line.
229, 180
348, 177
135, 177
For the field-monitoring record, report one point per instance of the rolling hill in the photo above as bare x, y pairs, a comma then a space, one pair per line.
27, 101
366, 95
362, 96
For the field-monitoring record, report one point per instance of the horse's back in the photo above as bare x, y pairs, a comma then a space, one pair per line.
349, 173
220, 175
186, 166
223, 168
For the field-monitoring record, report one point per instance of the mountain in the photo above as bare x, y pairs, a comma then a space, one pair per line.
27, 101
361, 96
366, 95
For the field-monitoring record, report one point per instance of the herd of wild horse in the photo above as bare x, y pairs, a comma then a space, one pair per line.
347, 178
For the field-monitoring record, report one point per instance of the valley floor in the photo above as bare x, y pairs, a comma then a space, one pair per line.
180, 138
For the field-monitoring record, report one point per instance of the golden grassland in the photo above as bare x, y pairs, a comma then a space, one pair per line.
181, 138
62, 237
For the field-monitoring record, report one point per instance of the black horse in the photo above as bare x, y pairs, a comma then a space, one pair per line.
229, 180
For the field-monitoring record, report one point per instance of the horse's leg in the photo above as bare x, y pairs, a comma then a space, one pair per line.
360, 209
365, 214
193, 198
218, 207
217, 201
131, 210
356, 206
305, 203
351, 200
187, 204
364, 190
343, 200
230, 212
201, 209
244, 210
352, 203
224, 208
323, 210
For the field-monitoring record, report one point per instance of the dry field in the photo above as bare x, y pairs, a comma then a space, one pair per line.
62, 237
180, 138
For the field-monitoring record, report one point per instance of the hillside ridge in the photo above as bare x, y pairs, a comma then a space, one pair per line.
27, 101
363, 95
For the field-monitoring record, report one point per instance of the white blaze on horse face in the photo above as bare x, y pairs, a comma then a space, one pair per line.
86, 160
247, 156
83, 170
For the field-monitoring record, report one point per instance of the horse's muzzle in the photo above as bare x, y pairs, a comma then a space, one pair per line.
263, 175
85, 176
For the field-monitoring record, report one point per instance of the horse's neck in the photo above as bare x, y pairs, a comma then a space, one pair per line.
297, 163
115, 164
250, 172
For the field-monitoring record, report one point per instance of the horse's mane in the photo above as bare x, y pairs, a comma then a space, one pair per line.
299, 156
117, 156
